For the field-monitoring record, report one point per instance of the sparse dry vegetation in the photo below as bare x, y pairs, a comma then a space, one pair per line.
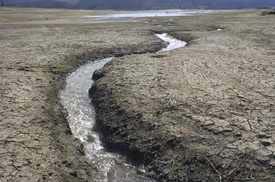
38, 48
202, 113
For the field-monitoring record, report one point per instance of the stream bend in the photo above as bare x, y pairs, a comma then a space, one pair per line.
75, 99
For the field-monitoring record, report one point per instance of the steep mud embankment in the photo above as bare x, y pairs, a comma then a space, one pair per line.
81, 118
74, 98
176, 114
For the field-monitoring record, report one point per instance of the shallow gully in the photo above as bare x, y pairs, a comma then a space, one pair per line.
75, 99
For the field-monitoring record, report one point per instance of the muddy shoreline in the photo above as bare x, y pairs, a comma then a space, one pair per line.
36, 140
167, 157
79, 164
215, 97
176, 115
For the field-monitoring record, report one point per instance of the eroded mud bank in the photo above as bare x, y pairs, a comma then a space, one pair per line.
81, 117
183, 116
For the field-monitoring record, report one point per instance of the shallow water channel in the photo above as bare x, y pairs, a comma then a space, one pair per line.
75, 99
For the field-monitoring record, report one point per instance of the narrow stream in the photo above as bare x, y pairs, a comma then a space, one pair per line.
74, 97
173, 43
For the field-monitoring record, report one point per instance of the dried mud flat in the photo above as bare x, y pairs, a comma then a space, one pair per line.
200, 113
38, 47
203, 113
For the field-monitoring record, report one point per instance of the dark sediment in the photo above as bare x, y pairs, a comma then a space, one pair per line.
166, 157
98, 74
164, 112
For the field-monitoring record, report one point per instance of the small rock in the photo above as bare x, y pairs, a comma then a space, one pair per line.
237, 133
227, 129
141, 171
266, 142
81, 149
26, 68
219, 130
264, 135
74, 174
231, 146
98, 74
263, 155
208, 123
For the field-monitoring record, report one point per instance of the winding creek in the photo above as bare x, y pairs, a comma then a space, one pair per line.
74, 97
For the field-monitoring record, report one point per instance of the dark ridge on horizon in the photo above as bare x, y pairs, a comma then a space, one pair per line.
142, 4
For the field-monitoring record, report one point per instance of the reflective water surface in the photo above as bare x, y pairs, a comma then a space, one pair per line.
149, 13
173, 43
81, 117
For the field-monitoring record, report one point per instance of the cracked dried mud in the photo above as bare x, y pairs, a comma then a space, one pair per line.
201, 113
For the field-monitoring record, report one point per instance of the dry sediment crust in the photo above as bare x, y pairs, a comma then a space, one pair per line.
202, 113
38, 48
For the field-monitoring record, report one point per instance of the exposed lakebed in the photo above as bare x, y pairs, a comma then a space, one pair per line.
81, 117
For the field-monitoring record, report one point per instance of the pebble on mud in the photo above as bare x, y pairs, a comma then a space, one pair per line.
263, 155
266, 142
98, 74
264, 135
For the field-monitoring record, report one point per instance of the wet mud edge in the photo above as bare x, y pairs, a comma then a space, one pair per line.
166, 158
74, 164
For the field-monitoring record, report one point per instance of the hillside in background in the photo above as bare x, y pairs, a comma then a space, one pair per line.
143, 4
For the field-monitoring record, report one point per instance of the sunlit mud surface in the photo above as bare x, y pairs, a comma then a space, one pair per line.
81, 117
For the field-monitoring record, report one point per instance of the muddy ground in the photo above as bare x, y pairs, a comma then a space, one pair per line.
201, 113
38, 47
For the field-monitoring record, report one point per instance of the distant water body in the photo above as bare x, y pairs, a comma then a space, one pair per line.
150, 13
